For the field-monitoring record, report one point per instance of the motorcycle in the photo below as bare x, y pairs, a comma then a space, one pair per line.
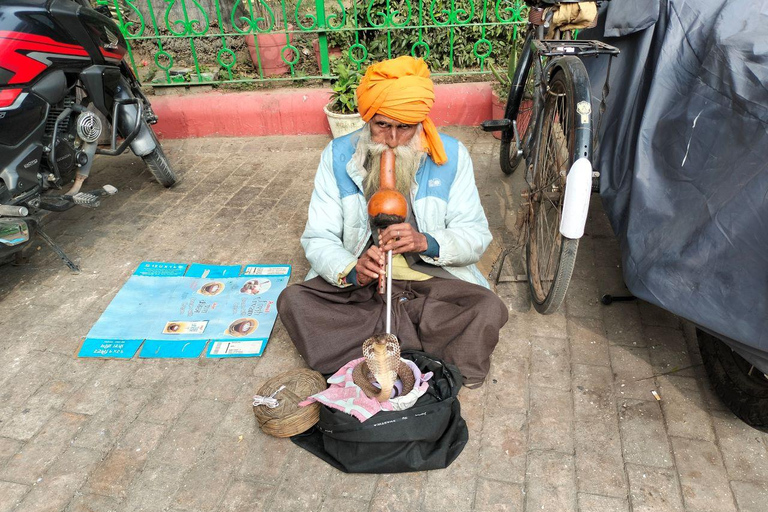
63, 81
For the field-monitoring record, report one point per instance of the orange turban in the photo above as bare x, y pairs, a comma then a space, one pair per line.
401, 90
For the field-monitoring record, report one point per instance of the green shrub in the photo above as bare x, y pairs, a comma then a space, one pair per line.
343, 99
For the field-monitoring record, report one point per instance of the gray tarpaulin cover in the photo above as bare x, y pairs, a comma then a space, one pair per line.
684, 159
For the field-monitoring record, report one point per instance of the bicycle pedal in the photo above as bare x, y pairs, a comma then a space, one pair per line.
495, 125
86, 199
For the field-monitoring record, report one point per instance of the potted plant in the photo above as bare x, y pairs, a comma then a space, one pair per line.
341, 111
334, 52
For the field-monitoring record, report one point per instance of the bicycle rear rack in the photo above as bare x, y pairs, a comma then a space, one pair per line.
553, 47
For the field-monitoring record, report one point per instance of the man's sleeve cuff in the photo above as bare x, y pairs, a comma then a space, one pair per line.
349, 276
433, 248
352, 277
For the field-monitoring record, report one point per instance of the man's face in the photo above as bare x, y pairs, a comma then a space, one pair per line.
390, 132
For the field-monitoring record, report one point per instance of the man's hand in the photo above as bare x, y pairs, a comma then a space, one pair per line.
401, 238
369, 265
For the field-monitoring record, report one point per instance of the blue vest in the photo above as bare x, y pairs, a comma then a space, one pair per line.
433, 180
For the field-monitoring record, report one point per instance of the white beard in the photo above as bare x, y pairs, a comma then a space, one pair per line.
408, 159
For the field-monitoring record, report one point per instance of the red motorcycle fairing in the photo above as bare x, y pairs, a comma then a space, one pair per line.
26, 56
8, 96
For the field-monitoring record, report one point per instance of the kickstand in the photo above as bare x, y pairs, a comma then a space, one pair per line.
520, 278
53, 245
607, 299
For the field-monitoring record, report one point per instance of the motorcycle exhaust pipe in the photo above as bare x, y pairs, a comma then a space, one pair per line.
7, 210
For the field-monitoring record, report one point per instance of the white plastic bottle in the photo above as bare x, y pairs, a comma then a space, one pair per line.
578, 190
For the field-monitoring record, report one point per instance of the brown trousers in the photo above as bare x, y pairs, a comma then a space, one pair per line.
447, 318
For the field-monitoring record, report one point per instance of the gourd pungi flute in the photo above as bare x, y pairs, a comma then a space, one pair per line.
386, 207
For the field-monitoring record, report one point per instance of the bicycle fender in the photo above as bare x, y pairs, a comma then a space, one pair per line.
577, 74
578, 189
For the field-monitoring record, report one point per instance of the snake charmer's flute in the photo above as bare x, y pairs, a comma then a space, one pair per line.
386, 207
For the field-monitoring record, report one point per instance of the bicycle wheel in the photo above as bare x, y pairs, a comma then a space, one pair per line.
509, 159
519, 107
551, 256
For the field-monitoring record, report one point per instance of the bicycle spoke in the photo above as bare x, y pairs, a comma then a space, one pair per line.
545, 238
541, 224
547, 191
545, 255
549, 244
543, 216
548, 273
551, 255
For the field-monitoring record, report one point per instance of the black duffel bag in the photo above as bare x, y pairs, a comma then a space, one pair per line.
429, 435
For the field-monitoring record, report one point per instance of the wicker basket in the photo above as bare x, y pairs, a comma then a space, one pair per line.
288, 419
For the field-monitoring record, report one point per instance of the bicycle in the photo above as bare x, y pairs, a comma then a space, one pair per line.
557, 145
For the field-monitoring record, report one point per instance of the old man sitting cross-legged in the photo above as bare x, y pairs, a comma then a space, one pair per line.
441, 302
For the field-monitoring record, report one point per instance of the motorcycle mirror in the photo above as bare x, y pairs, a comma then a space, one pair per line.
13, 232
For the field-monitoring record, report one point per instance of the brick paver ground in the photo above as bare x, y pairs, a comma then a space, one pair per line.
566, 420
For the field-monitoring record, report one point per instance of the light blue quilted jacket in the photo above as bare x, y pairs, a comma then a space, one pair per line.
445, 202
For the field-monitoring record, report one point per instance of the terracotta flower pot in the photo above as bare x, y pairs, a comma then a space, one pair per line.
270, 49
498, 106
333, 52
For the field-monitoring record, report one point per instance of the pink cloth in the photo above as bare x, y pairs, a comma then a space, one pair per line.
346, 396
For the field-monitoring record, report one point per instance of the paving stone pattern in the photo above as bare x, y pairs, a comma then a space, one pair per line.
566, 420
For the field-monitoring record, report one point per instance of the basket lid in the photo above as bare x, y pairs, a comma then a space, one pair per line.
287, 418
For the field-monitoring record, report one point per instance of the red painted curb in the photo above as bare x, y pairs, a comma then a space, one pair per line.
293, 111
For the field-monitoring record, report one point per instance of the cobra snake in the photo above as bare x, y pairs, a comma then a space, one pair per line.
382, 363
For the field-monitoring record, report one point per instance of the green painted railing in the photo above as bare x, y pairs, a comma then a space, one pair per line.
174, 42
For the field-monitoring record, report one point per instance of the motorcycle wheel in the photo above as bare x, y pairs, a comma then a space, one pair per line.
158, 164
741, 386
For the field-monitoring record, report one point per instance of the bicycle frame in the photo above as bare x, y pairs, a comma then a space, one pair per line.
563, 53
560, 181
534, 47
518, 87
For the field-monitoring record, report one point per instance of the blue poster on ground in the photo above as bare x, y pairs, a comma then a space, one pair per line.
177, 310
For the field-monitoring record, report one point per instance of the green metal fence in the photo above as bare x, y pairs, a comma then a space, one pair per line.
239, 41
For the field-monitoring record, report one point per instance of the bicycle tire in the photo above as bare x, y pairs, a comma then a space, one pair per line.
518, 110
158, 164
555, 152
509, 160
